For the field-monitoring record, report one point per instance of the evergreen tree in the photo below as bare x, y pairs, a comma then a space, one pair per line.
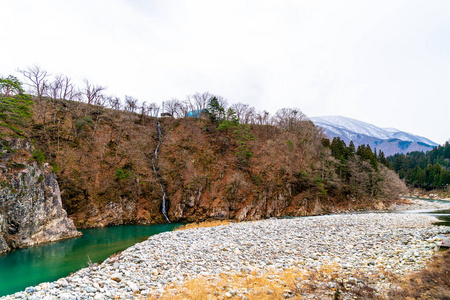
429, 170
215, 110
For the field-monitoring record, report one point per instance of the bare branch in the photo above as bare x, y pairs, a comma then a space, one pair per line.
130, 103
94, 94
37, 79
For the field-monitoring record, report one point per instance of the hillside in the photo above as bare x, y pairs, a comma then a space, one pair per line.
427, 171
117, 163
388, 140
210, 169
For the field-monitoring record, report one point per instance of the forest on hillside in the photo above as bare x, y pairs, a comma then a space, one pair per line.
228, 162
428, 171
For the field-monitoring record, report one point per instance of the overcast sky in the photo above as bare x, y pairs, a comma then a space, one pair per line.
382, 62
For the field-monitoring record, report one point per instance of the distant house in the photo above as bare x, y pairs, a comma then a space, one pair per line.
195, 113
166, 115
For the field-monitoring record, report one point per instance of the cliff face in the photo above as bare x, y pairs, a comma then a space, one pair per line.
31, 211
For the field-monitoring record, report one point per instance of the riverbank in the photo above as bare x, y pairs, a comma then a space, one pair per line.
416, 204
376, 245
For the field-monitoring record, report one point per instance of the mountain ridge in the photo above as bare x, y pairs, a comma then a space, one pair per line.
388, 140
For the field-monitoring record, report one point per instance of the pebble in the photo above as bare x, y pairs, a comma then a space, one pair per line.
368, 242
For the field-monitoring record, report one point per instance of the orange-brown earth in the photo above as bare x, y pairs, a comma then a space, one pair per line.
102, 158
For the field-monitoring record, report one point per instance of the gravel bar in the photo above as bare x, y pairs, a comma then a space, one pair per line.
399, 243
416, 204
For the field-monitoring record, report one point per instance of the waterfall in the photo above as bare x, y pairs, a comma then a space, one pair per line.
163, 208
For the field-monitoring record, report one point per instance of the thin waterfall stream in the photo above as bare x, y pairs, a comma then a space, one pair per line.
163, 208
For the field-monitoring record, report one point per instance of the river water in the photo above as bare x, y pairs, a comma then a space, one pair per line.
442, 214
29, 267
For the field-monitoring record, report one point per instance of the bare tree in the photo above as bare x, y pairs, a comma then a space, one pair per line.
114, 102
173, 107
54, 88
77, 95
240, 109
37, 79
130, 103
94, 93
249, 116
153, 109
200, 101
61, 88
391, 185
53, 91
262, 117
68, 90
222, 101
289, 119
144, 111
186, 106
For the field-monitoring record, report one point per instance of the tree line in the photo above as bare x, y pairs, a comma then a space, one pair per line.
361, 169
51, 93
428, 171
41, 84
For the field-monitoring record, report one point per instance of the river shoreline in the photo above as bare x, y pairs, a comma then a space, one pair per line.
416, 204
398, 244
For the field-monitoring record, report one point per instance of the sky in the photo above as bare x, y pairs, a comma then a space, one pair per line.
381, 62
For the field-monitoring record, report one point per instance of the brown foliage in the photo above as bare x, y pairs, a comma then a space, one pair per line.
106, 175
433, 282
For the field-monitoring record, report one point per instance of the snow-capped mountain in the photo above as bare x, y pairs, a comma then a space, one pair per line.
388, 140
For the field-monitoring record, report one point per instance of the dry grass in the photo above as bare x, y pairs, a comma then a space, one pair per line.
203, 224
433, 282
326, 282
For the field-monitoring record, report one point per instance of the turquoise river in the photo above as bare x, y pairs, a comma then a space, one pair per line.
29, 267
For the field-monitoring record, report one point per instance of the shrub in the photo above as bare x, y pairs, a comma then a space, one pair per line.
121, 174
290, 144
80, 123
55, 168
39, 156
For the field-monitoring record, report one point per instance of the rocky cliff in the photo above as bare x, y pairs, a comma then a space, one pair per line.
31, 211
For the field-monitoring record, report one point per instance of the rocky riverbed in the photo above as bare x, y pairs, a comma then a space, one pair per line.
374, 244
415, 204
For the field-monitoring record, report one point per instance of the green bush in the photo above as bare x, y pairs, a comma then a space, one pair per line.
39, 156
290, 144
80, 123
121, 174
55, 168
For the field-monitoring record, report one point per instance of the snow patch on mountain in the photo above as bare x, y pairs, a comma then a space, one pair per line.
389, 140
355, 126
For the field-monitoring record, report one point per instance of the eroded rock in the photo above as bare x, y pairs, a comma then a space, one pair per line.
30, 200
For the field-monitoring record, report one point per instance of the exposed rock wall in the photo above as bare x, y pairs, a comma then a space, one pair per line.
30, 203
